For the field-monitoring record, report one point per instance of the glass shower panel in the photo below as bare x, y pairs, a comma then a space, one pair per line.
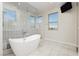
9, 17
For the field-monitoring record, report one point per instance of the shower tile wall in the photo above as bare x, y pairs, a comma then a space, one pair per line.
21, 26
8, 34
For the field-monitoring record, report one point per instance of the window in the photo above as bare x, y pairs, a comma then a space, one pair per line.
32, 21
39, 19
53, 20
35, 20
9, 18
9, 15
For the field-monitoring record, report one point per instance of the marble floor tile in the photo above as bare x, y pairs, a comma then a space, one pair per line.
48, 48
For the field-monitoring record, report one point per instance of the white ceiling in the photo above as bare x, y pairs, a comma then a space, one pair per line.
43, 6
40, 6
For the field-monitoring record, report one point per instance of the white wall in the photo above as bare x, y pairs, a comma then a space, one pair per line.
66, 32
1, 41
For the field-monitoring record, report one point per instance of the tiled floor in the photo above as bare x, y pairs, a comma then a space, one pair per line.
48, 48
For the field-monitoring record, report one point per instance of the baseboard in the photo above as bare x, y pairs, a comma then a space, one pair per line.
65, 43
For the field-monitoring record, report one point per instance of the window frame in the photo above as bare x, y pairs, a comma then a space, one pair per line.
52, 22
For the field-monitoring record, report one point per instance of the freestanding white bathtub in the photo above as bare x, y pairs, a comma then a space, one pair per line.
24, 46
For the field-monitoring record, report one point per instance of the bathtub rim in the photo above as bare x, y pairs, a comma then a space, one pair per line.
25, 39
